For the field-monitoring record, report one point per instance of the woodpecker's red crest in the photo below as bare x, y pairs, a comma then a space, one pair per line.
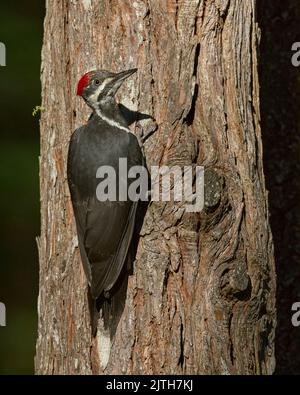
83, 82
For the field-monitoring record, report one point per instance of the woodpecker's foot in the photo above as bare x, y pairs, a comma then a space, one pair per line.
143, 133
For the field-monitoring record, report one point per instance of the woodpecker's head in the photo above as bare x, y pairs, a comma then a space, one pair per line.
98, 87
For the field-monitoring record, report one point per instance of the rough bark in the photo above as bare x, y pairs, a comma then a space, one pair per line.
201, 298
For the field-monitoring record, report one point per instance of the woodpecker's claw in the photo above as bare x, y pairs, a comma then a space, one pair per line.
144, 133
149, 131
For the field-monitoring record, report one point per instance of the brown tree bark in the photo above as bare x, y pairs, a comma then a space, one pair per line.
201, 298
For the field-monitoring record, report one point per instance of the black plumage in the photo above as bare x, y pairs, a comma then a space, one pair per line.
105, 228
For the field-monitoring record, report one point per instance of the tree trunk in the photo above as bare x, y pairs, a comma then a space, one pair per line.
201, 298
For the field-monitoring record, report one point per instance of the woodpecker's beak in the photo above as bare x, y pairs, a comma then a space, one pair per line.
118, 80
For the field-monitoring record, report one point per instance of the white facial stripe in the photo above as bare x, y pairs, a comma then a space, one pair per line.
94, 97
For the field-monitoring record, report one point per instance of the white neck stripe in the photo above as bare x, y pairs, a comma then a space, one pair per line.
111, 122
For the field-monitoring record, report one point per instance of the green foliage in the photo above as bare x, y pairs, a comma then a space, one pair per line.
21, 30
37, 110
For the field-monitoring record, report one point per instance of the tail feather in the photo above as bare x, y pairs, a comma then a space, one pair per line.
94, 313
109, 305
112, 306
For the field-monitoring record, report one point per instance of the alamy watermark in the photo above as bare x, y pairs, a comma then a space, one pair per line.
179, 184
296, 56
2, 54
2, 314
296, 316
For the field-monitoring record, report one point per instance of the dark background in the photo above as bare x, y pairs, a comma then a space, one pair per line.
21, 29
280, 115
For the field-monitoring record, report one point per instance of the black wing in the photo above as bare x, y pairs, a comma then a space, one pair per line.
104, 228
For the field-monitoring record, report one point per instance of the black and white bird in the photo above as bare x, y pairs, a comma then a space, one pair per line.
104, 228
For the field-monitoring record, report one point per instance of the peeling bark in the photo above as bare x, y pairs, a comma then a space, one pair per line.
201, 298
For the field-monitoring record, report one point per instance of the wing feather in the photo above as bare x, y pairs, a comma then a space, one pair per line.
104, 229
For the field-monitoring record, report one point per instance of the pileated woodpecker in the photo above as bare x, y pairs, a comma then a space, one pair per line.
104, 228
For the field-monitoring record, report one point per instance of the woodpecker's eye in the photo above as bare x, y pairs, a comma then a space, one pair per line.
97, 82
